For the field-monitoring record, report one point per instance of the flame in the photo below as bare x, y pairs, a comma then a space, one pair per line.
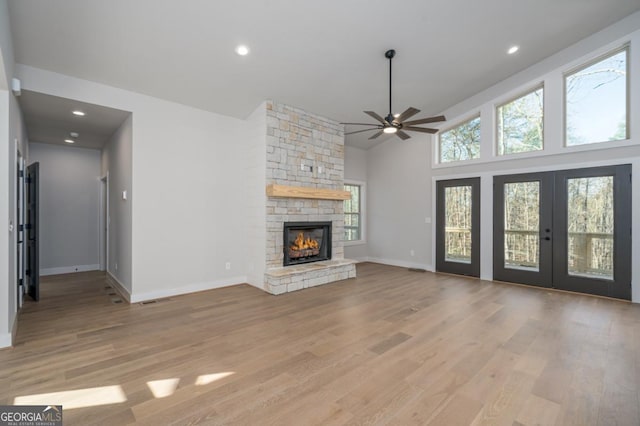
301, 243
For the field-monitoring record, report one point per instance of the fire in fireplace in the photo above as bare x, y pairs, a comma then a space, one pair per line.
306, 242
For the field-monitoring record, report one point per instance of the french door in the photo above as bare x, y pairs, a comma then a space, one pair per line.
568, 229
458, 226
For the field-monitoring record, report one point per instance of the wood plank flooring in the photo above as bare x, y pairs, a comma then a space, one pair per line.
389, 347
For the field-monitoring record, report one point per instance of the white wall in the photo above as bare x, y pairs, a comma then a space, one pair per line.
117, 164
188, 182
69, 207
6, 47
12, 137
255, 196
355, 169
399, 200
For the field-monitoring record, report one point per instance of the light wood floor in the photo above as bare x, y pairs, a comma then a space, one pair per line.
390, 347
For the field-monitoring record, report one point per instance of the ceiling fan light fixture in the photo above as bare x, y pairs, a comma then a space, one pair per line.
390, 130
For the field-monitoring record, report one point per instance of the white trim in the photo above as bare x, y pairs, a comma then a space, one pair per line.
69, 269
5, 340
189, 288
400, 263
119, 287
361, 259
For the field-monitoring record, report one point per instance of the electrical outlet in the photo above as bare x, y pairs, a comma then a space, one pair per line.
427, 220
412, 252
116, 266
227, 266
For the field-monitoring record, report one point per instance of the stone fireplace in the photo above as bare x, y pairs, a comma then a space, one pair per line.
304, 186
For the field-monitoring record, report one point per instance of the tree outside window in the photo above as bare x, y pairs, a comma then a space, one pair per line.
520, 124
461, 142
352, 213
596, 101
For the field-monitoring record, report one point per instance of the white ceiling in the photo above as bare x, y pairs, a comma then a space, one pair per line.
323, 56
49, 119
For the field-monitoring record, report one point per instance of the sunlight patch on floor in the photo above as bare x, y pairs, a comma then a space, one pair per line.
205, 379
79, 398
163, 388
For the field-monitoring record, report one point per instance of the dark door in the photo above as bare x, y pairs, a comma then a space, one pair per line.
458, 226
32, 228
592, 246
568, 229
522, 237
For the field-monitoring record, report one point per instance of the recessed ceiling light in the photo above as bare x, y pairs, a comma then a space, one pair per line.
513, 49
78, 112
242, 50
69, 141
390, 129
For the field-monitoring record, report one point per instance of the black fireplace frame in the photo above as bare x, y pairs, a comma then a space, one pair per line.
325, 253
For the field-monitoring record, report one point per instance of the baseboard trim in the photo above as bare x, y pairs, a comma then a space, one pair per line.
191, 288
119, 287
400, 263
5, 340
68, 269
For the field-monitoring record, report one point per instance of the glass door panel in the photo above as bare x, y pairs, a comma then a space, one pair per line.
458, 226
590, 223
457, 232
522, 225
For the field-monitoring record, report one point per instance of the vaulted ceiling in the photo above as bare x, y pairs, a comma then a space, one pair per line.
323, 56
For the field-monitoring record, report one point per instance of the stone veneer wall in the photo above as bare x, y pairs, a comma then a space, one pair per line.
296, 137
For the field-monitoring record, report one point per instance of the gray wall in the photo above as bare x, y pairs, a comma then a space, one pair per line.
69, 207
117, 163
399, 200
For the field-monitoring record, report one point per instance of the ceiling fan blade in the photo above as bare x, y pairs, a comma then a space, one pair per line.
426, 120
360, 124
420, 129
360, 131
402, 135
376, 135
410, 112
377, 117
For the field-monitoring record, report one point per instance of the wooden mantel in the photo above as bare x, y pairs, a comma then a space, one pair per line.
286, 191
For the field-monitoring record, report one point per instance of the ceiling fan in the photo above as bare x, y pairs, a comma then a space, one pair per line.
396, 123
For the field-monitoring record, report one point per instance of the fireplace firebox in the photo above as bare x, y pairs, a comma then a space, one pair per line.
306, 242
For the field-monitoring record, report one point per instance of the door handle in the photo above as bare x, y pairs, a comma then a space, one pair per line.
546, 238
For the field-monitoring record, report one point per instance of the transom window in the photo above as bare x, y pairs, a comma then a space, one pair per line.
520, 127
596, 101
461, 142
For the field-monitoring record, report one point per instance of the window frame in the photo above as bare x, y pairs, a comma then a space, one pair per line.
449, 128
521, 94
584, 65
362, 213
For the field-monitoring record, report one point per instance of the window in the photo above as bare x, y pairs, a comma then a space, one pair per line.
461, 142
520, 124
596, 101
353, 212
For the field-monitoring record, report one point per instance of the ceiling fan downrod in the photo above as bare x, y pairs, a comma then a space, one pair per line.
389, 54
